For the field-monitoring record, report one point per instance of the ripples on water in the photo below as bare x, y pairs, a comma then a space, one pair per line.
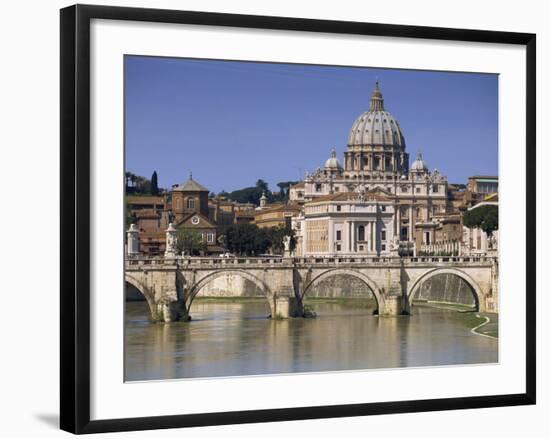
236, 338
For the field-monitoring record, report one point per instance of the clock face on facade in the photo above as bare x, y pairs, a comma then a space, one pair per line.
195, 220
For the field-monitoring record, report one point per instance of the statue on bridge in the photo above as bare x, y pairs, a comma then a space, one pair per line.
171, 241
132, 243
286, 243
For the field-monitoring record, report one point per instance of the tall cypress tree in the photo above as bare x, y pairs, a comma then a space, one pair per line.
154, 184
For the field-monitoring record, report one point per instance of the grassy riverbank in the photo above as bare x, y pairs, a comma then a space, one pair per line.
478, 322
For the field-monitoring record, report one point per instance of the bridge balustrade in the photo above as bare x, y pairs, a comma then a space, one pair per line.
279, 261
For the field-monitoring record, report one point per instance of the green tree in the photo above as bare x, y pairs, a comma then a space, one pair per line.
246, 195
250, 194
251, 240
262, 185
129, 178
190, 242
154, 184
484, 217
130, 215
490, 222
276, 237
242, 239
284, 189
141, 185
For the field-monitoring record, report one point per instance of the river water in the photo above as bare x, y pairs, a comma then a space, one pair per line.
228, 338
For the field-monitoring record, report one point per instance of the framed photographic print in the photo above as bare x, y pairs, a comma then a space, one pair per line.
268, 218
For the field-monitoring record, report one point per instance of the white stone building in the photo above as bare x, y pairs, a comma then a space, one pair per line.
347, 224
375, 161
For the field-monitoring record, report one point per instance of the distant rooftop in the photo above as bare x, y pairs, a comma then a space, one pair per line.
487, 177
190, 186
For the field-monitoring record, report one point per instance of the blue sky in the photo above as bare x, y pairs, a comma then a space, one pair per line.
231, 123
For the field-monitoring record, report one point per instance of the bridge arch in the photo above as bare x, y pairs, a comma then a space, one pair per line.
474, 286
378, 296
195, 289
142, 288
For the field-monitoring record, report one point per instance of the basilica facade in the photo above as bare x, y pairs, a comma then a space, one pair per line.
375, 204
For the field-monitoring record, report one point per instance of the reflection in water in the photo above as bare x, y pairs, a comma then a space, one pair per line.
236, 338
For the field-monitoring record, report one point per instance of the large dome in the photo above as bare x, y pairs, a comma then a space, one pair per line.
376, 127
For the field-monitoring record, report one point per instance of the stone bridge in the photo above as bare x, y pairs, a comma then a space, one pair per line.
170, 284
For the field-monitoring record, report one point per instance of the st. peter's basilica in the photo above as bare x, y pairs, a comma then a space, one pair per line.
375, 204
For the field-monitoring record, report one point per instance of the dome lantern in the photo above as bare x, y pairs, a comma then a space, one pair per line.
376, 99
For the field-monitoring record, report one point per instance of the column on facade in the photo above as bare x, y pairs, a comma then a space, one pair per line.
411, 222
345, 236
369, 232
352, 240
367, 235
391, 236
374, 236
331, 236
398, 221
304, 238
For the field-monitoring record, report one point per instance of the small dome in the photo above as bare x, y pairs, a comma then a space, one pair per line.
332, 162
419, 165
376, 126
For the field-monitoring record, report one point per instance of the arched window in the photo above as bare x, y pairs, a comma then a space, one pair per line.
190, 203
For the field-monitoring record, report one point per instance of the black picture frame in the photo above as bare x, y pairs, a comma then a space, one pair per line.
75, 217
